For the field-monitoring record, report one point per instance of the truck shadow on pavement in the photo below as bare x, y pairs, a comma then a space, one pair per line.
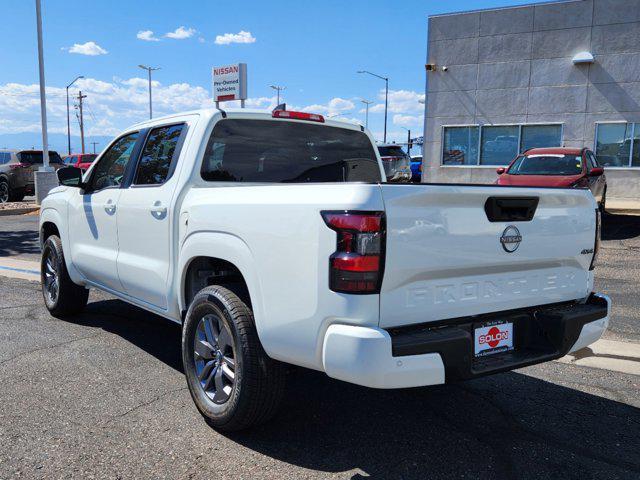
620, 227
19, 243
509, 425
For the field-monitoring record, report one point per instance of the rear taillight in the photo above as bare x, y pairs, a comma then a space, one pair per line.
358, 262
15, 166
596, 244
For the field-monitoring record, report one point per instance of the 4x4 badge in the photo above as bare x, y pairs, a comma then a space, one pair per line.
510, 239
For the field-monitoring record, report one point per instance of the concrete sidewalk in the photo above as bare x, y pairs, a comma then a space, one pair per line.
627, 206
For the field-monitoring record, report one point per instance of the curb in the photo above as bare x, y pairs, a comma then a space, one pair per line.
18, 211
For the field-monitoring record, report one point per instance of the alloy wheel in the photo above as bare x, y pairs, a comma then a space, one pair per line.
51, 276
4, 192
214, 358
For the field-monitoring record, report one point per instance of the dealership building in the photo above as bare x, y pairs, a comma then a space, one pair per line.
562, 73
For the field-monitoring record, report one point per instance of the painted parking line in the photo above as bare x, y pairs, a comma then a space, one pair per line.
623, 357
24, 269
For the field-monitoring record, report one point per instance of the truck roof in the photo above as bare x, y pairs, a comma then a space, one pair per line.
257, 113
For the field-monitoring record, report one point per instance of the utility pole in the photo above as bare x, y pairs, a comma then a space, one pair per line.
149, 70
278, 89
80, 97
386, 97
408, 140
68, 124
94, 146
366, 118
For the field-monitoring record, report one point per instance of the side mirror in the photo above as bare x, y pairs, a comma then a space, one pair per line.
596, 172
501, 170
70, 177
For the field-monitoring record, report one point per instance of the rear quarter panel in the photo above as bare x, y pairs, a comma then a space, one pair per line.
275, 235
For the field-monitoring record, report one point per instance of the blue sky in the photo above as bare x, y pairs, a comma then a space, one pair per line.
313, 48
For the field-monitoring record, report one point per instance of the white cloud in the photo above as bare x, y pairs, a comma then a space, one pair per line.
240, 37
88, 48
335, 106
400, 101
140, 82
181, 33
407, 120
201, 40
147, 36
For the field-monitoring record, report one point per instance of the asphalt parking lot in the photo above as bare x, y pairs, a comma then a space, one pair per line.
104, 397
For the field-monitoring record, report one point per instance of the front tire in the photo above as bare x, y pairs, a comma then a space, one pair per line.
232, 381
62, 297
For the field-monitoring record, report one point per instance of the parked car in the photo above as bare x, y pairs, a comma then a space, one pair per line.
396, 163
557, 167
16, 172
273, 238
416, 168
80, 160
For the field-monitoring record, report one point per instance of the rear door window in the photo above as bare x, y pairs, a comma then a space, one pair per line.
159, 155
287, 152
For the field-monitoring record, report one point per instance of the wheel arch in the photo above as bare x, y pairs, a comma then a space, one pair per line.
51, 223
229, 259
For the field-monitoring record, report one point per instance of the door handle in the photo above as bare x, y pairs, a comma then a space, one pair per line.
158, 208
110, 207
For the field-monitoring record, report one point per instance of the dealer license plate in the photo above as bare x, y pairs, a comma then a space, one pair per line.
493, 337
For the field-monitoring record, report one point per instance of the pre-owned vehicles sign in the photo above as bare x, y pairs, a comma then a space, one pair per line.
230, 82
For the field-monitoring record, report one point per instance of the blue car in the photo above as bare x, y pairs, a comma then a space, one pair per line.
416, 168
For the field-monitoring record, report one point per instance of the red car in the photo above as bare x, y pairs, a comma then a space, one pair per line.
81, 160
557, 167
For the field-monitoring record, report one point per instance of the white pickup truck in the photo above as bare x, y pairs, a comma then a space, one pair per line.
273, 239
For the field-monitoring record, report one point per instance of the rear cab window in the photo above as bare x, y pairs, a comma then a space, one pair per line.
159, 155
391, 151
279, 151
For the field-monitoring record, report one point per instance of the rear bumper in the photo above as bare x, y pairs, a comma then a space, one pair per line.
428, 355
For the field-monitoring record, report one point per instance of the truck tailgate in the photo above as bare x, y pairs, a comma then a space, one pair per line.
446, 259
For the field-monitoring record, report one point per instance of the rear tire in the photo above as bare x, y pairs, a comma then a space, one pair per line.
17, 195
4, 191
232, 381
62, 297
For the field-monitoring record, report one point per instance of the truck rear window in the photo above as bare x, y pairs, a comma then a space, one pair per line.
35, 157
284, 151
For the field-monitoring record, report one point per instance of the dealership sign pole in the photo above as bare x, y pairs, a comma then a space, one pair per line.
230, 83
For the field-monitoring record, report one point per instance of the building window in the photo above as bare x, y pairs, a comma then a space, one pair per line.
614, 145
495, 144
536, 136
460, 146
499, 145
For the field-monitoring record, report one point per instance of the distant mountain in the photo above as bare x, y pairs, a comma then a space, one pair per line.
57, 142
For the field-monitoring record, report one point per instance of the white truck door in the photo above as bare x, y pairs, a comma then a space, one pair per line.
93, 233
145, 216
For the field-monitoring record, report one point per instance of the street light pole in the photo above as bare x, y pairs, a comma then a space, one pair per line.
149, 70
43, 98
278, 89
386, 98
68, 124
366, 117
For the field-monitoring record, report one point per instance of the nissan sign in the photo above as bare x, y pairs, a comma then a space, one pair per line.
230, 82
